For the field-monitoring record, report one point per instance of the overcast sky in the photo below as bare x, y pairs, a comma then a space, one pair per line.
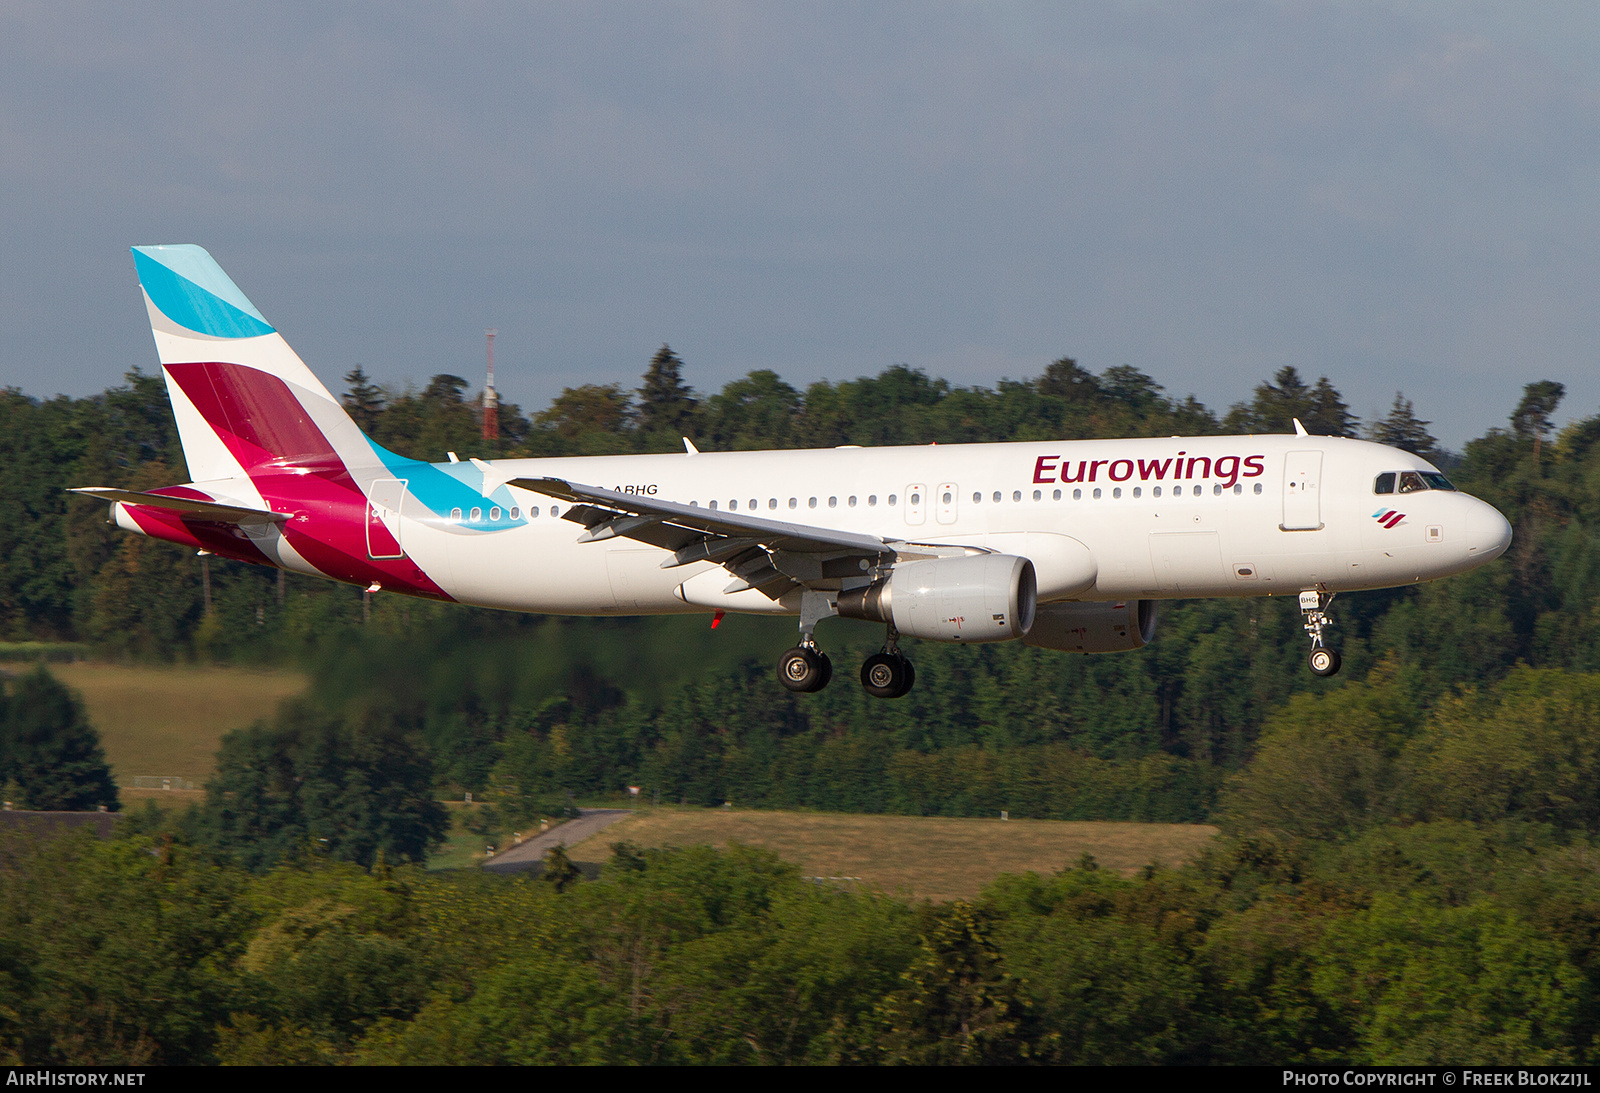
1399, 196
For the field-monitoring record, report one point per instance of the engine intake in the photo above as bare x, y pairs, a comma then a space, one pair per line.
1094, 627
982, 597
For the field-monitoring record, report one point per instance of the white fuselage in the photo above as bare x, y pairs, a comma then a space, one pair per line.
1229, 516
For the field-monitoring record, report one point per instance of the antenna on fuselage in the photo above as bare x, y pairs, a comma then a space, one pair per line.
1299, 429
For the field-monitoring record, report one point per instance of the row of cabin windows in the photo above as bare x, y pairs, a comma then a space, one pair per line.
1217, 490
811, 503
998, 496
1411, 482
496, 512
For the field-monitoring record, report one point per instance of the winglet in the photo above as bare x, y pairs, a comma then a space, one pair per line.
1299, 429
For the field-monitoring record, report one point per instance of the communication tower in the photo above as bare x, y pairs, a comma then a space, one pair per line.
491, 401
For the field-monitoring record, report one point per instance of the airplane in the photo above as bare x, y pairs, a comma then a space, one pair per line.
1064, 545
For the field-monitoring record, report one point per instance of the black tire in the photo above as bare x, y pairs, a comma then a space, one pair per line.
1324, 662
804, 670
911, 677
884, 675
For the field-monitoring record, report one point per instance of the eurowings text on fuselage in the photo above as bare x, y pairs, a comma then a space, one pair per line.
1063, 544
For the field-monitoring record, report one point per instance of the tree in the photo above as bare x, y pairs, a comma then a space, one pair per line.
51, 749
1066, 381
1404, 430
666, 403
362, 399
1276, 405
1531, 419
592, 419
559, 870
352, 789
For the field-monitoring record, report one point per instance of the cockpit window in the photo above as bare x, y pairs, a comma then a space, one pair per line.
1411, 482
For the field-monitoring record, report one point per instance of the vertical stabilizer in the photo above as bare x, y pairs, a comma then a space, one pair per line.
242, 398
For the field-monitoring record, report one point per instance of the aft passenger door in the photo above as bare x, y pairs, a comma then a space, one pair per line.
1302, 491
384, 502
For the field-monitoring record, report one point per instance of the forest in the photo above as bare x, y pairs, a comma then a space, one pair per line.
1407, 871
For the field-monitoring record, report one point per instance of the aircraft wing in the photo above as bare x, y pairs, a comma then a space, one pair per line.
188, 506
772, 555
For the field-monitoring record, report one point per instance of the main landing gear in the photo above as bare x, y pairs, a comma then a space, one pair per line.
807, 669
1314, 606
888, 674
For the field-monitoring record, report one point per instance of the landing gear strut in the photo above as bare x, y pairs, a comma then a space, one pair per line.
888, 674
1314, 606
805, 668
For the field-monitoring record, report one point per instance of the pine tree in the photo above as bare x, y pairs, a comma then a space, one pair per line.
1404, 430
52, 750
1277, 404
363, 399
666, 404
1327, 414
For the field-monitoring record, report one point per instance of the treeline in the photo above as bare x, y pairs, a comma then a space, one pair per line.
1393, 888
525, 710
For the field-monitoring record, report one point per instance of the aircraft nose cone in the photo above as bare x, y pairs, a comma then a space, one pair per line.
1488, 533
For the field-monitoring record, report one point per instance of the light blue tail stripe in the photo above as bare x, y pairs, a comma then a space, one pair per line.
189, 288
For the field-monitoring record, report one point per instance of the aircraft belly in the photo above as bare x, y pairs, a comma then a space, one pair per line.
529, 568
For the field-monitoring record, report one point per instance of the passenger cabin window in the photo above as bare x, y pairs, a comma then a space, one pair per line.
1384, 483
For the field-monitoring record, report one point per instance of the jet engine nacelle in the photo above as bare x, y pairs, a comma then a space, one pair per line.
1094, 627
981, 597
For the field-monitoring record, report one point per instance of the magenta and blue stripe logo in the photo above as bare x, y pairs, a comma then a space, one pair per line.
1388, 517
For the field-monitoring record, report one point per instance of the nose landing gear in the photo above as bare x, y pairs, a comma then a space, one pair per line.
1314, 606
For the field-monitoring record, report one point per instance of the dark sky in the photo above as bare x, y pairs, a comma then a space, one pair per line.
1398, 196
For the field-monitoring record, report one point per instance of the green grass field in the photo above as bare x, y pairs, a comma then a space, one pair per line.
926, 857
168, 721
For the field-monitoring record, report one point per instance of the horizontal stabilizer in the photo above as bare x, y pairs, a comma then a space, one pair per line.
189, 506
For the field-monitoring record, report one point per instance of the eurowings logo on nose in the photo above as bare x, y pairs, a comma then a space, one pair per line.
1388, 517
